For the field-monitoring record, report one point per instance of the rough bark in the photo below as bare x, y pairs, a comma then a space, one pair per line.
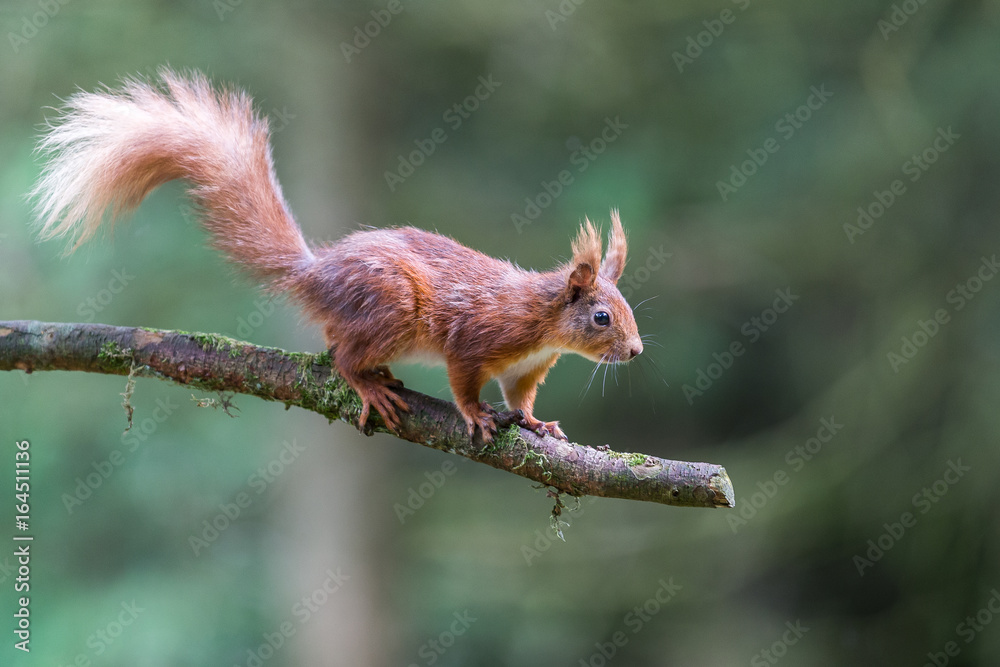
219, 364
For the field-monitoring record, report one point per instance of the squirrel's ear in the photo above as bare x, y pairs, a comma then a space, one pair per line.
614, 260
581, 279
586, 260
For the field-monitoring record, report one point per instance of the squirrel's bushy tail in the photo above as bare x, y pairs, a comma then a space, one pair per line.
112, 148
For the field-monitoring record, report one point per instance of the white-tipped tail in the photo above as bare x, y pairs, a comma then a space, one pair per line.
109, 149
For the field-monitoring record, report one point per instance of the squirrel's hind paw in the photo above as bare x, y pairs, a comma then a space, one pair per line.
484, 419
386, 402
384, 376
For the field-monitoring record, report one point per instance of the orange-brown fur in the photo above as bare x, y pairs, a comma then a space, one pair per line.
380, 295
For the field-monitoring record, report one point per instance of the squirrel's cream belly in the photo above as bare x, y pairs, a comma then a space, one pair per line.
423, 357
529, 362
517, 368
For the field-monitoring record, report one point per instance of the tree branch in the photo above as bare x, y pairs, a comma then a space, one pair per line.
216, 363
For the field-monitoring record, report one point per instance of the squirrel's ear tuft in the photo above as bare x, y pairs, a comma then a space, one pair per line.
587, 246
586, 261
614, 260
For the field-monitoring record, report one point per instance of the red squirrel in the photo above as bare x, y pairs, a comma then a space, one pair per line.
381, 296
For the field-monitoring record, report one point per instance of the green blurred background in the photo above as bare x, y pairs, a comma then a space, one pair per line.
820, 564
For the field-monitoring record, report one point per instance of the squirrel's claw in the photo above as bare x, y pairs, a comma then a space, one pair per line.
543, 428
386, 402
552, 428
485, 420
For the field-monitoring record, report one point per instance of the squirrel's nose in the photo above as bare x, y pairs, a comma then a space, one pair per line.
636, 349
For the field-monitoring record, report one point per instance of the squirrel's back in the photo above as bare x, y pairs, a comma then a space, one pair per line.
432, 281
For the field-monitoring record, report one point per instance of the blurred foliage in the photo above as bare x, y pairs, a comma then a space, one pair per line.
787, 557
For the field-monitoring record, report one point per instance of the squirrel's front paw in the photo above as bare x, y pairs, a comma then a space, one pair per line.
543, 428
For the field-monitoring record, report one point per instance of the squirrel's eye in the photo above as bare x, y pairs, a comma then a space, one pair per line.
601, 318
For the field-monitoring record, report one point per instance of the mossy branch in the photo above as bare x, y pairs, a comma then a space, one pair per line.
219, 364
